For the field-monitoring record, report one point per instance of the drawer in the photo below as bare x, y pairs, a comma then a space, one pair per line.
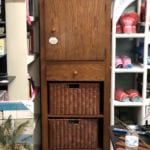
75, 72
74, 98
73, 133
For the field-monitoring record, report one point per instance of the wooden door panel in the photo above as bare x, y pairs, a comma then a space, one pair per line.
79, 26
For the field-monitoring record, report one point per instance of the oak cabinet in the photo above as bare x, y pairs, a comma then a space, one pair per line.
75, 59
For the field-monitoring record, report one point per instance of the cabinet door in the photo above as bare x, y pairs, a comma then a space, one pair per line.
79, 27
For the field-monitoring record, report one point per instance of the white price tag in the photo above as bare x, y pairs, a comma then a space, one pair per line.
53, 40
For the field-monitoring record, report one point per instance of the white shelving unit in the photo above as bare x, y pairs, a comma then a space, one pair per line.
124, 43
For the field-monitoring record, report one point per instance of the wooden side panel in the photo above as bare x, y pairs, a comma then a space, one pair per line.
79, 26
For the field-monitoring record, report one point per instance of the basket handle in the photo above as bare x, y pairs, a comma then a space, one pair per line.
73, 85
73, 121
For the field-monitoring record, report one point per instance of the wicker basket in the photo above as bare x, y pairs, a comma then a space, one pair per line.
74, 98
73, 134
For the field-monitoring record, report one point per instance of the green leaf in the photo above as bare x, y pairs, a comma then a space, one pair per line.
18, 130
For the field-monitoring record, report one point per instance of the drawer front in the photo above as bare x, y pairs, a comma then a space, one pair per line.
75, 72
74, 98
73, 133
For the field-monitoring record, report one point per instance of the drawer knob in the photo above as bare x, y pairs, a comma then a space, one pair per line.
53, 30
75, 72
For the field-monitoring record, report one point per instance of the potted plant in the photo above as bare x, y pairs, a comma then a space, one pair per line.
9, 136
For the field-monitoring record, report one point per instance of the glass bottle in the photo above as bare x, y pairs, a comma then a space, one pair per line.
131, 140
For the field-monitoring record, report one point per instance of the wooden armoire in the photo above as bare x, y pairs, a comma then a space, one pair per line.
75, 74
